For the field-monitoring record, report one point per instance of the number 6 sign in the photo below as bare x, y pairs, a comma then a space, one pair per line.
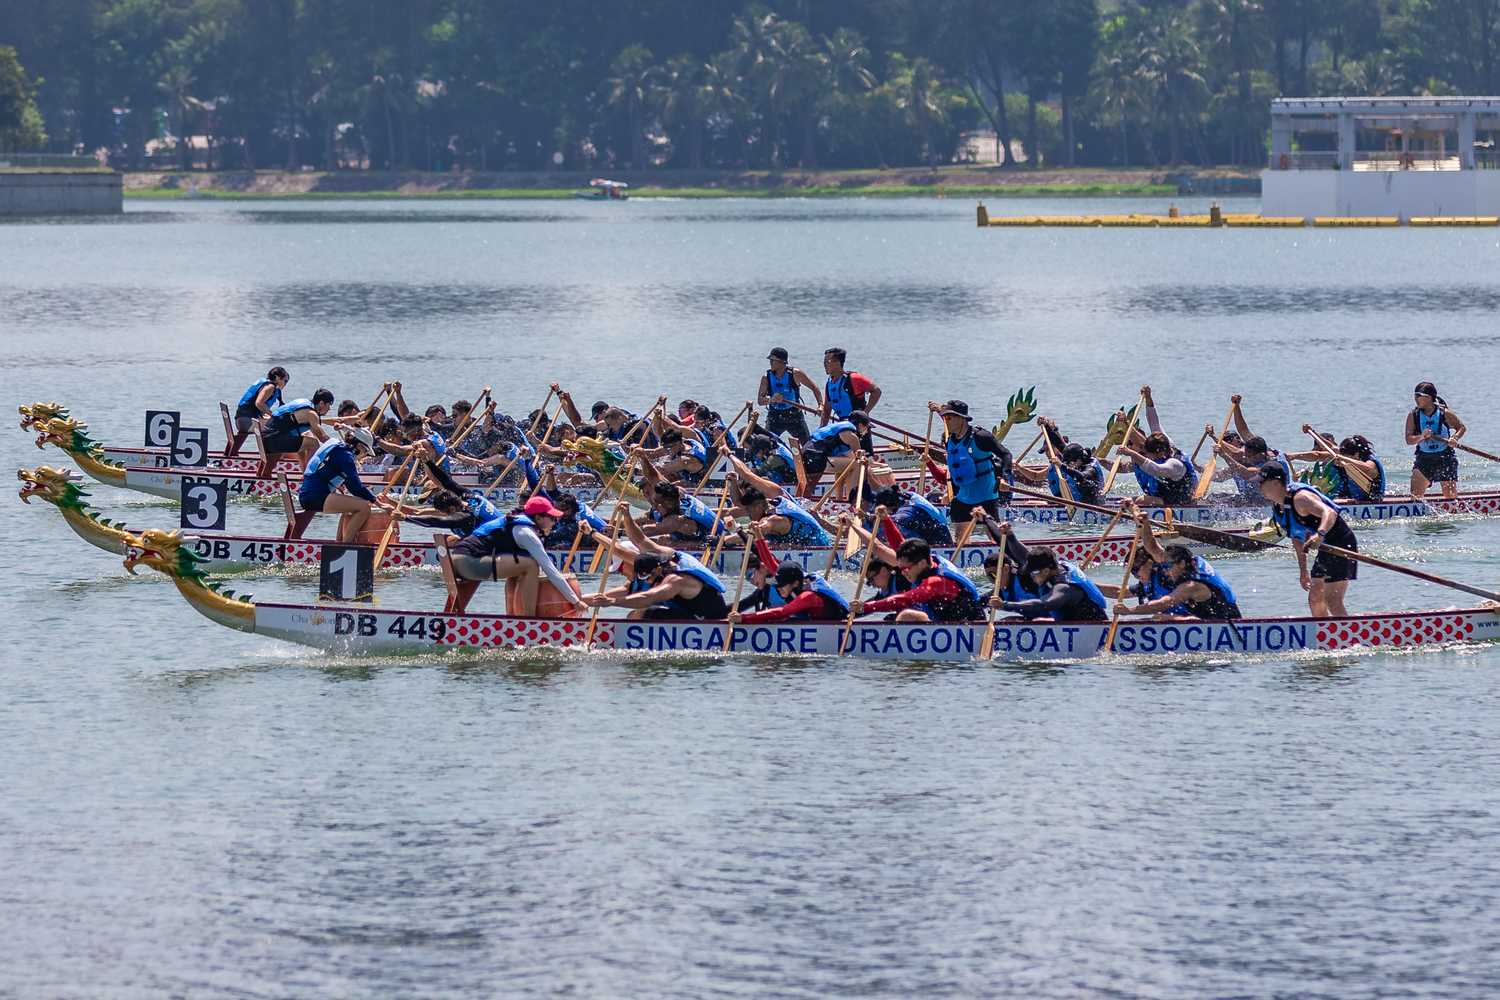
160, 426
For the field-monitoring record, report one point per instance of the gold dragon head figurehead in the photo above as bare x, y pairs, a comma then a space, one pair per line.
38, 412
56, 486
161, 551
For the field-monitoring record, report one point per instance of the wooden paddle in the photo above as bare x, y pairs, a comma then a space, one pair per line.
1114, 469
859, 587
712, 458
1098, 546
800, 470
739, 588
614, 536
963, 538
1199, 446
837, 482
1034, 442
1114, 624
1473, 451
1062, 480
385, 539
1002, 579
859, 488
1206, 477
838, 543
926, 443
541, 410
906, 435
599, 553
373, 410
718, 516
1344, 462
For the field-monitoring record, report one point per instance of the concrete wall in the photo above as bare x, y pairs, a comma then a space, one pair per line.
1403, 193
60, 193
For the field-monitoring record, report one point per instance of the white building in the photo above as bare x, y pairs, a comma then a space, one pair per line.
1383, 156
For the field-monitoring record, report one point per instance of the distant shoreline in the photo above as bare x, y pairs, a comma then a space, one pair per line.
949, 182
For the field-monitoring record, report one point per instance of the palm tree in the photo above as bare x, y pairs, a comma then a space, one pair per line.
685, 96
1117, 91
768, 49
1234, 28
724, 98
632, 88
1171, 66
840, 62
921, 100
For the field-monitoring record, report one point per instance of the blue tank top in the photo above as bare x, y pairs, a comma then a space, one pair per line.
440, 446
1173, 491
784, 385
972, 470
1437, 422
247, 401
481, 508
322, 471
826, 438
1299, 527
805, 531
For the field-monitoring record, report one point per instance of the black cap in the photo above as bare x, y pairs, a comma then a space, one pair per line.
646, 562
598, 408
788, 573
1273, 470
955, 408
859, 417
778, 354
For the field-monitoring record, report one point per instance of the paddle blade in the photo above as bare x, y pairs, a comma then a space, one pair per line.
987, 647
1205, 478
851, 545
1230, 541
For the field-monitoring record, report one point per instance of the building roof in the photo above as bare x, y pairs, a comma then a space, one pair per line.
1384, 105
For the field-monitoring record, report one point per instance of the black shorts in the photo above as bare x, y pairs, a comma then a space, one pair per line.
1332, 568
244, 422
959, 512
1437, 466
815, 463
789, 421
283, 444
312, 503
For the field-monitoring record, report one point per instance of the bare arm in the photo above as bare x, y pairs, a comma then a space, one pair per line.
747, 475
639, 539
872, 397
763, 394
1240, 426
803, 379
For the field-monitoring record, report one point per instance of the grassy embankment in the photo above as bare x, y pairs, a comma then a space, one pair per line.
952, 182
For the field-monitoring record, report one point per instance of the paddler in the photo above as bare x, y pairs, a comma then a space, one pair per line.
845, 391
665, 584
676, 513
916, 516
1076, 465
938, 590
1356, 456
510, 548
1309, 517
1430, 426
771, 508
256, 403
1197, 590
977, 463
335, 464
836, 444
284, 431
771, 459
779, 391
1067, 594
797, 596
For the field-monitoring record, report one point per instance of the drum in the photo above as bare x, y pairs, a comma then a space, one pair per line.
549, 603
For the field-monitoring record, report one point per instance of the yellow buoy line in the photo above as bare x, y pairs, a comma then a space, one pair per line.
1216, 219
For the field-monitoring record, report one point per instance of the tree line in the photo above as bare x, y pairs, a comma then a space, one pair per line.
592, 84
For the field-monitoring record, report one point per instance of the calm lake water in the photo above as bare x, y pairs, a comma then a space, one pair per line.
189, 811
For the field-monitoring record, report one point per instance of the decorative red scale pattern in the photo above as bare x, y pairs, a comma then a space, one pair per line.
519, 633
1396, 631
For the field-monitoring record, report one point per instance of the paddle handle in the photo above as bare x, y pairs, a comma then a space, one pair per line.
614, 536
1206, 477
1062, 480
739, 588
864, 570
1034, 442
713, 453
385, 539
926, 443
1114, 624
1441, 581
1473, 451
873, 422
1098, 547
838, 481
1343, 462
1114, 469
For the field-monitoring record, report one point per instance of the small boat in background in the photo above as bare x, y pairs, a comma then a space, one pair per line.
604, 190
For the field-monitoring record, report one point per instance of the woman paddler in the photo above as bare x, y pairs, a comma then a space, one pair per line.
283, 432
1166, 476
1430, 426
510, 548
665, 584
257, 403
1197, 590
1309, 517
1358, 457
335, 464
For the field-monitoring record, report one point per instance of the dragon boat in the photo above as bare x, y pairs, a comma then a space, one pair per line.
362, 628
229, 553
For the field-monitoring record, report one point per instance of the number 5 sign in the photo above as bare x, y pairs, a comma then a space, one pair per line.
205, 503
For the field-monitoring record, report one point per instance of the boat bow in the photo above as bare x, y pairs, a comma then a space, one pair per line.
164, 552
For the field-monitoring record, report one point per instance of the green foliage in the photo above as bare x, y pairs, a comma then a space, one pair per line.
20, 122
737, 84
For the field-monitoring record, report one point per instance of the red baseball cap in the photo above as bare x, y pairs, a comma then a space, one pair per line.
541, 505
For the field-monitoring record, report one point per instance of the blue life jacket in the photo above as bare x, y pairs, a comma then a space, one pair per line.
784, 385
326, 471
697, 450
1019, 588
966, 607
1299, 527
440, 446
246, 406
1072, 574
626, 426
499, 534
1346, 488
1222, 604
689, 565
971, 469
696, 511
821, 587
1085, 488
1176, 491
481, 508
826, 438
805, 531
918, 518
587, 516
284, 417
842, 400
1437, 422
1157, 586
899, 585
